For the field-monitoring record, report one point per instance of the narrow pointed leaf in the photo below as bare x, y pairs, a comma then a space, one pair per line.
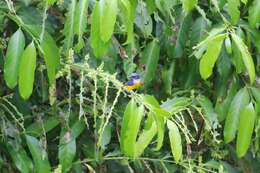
26, 71
175, 140
13, 57
68, 31
150, 59
233, 9
145, 139
39, 155
20, 158
128, 9
240, 100
245, 129
67, 151
80, 22
209, 111
108, 13
132, 120
51, 56
182, 37
99, 47
246, 56
130, 110
209, 59
36, 129
254, 14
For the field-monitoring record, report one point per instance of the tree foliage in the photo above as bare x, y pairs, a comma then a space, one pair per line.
65, 108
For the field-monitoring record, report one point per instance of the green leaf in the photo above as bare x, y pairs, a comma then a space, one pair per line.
20, 158
77, 128
210, 114
175, 140
256, 94
237, 59
128, 9
159, 115
39, 155
198, 31
222, 106
132, 119
228, 45
176, 105
240, 100
106, 136
99, 47
245, 129
254, 33
51, 56
150, 58
165, 6
80, 24
254, 14
68, 31
26, 71
143, 20
145, 139
67, 150
36, 129
189, 5
182, 37
160, 121
209, 59
167, 77
233, 9
13, 57
51, 2
108, 13
211, 36
150, 6
247, 59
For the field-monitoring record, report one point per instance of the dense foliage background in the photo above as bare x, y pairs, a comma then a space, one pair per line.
64, 106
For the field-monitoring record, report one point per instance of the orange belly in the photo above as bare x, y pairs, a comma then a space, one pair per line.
133, 87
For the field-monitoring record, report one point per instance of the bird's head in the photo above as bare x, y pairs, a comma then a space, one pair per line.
135, 76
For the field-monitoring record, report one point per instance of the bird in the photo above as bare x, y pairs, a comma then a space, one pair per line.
134, 82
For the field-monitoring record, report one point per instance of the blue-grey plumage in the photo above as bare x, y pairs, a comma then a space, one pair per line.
135, 82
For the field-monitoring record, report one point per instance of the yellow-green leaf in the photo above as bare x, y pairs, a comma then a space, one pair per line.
26, 71
240, 100
13, 57
246, 56
51, 56
209, 59
254, 14
80, 24
128, 9
99, 47
233, 9
145, 138
130, 127
51, 2
108, 13
175, 140
188, 5
245, 129
68, 31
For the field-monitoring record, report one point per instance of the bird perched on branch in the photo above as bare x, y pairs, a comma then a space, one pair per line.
134, 82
